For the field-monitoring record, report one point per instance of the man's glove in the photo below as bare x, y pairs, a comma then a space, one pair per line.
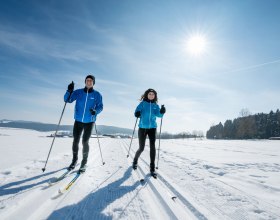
137, 114
92, 111
162, 110
71, 87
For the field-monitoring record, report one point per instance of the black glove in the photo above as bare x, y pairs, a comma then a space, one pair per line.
137, 114
92, 111
71, 87
162, 110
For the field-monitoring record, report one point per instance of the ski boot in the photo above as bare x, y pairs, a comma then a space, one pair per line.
72, 165
134, 165
152, 170
83, 167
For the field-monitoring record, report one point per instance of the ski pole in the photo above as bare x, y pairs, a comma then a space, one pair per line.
43, 169
99, 144
159, 140
132, 137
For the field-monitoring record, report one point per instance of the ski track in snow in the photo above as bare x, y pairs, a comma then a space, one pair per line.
167, 195
107, 192
218, 197
107, 198
202, 188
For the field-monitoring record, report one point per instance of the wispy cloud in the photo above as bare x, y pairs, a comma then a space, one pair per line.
33, 44
242, 69
199, 85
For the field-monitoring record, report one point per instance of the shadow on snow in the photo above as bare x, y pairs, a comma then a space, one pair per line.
92, 205
18, 187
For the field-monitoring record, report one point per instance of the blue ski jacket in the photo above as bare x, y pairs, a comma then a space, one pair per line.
149, 112
86, 99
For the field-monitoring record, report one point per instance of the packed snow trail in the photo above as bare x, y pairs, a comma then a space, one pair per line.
175, 208
106, 188
122, 196
107, 198
203, 187
102, 192
197, 179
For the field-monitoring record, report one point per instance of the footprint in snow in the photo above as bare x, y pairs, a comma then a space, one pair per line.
6, 172
257, 176
258, 211
2, 206
221, 173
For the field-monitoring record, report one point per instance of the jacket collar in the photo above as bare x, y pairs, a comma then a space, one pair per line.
88, 90
149, 101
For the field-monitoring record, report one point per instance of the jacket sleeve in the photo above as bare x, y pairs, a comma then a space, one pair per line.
139, 107
157, 111
99, 104
72, 97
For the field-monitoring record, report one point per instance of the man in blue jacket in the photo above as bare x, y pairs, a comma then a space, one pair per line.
88, 106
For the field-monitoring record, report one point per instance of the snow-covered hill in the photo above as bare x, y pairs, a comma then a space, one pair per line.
198, 179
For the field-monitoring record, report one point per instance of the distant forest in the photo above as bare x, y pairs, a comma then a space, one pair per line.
195, 134
258, 126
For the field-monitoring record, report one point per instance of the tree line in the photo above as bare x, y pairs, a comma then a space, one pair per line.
258, 126
183, 135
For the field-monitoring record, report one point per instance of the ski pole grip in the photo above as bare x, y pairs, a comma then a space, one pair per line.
70, 93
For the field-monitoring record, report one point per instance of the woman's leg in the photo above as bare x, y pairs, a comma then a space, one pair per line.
142, 139
152, 138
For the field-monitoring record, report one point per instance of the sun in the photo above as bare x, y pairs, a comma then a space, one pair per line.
196, 45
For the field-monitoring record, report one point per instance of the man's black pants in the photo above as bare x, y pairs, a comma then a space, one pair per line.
79, 127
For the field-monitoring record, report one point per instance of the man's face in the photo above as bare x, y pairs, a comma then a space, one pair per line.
89, 83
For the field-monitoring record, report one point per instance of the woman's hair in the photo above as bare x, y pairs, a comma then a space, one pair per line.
145, 95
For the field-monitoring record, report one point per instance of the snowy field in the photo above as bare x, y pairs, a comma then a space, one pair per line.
197, 179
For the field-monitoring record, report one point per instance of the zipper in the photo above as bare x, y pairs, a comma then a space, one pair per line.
85, 107
150, 115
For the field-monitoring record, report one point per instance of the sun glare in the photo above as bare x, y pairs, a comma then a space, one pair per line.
196, 45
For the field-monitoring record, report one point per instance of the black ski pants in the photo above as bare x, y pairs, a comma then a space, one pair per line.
79, 127
142, 135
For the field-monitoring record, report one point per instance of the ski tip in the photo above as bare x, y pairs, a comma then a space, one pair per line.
174, 197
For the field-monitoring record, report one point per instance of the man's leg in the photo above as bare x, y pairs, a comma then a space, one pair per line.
86, 136
77, 131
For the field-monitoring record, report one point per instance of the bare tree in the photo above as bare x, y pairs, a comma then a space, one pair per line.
195, 134
244, 112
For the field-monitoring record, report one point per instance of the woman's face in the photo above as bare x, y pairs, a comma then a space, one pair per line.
151, 96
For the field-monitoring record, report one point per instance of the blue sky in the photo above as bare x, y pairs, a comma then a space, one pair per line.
131, 46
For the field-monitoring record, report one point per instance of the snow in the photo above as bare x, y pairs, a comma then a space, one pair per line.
197, 179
